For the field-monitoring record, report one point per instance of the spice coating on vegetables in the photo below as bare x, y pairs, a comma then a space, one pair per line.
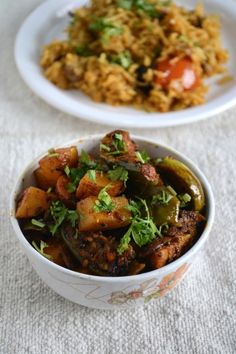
113, 213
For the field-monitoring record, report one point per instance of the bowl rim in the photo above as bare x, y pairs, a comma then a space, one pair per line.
167, 268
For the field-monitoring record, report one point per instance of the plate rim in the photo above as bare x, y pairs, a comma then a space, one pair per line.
55, 97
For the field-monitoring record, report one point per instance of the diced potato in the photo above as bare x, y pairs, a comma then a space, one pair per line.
61, 189
52, 167
33, 202
91, 220
88, 187
68, 156
46, 179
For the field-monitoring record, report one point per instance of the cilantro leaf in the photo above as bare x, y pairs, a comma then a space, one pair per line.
125, 241
142, 156
185, 199
92, 175
104, 202
125, 4
110, 32
142, 228
118, 145
76, 174
84, 158
40, 248
105, 147
83, 50
146, 7
162, 198
52, 153
140, 5
124, 59
72, 217
118, 173
67, 171
60, 213
106, 28
38, 223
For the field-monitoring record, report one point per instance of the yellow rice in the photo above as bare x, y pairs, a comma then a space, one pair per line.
147, 39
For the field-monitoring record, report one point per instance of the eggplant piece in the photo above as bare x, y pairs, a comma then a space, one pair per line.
183, 180
171, 249
143, 181
98, 252
175, 243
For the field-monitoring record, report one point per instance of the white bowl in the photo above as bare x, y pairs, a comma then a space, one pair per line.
45, 25
112, 292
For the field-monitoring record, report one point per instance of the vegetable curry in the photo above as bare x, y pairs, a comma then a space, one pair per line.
116, 213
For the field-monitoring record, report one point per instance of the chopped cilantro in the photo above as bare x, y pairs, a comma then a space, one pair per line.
125, 4
72, 217
104, 202
98, 25
105, 147
124, 59
118, 173
84, 157
142, 156
92, 175
83, 50
184, 199
162, 198
162, 229
60, 213
40, 248
146, 7
106, 28
67, 170
52, 153
110, 32
118, 145
75, 174
140, 5
37, 223
142, 228
171, 190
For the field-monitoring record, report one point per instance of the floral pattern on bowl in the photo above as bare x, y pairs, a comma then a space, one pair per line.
150, 289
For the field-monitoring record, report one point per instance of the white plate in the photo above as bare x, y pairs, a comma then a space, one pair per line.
46, 24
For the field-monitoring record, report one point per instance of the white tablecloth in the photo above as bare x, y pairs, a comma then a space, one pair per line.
197, 317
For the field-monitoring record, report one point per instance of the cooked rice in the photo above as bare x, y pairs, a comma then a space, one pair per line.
104, 59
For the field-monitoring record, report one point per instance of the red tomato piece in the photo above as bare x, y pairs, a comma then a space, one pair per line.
181, 69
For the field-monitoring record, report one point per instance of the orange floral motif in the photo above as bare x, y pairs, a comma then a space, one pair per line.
170, 280
150, 289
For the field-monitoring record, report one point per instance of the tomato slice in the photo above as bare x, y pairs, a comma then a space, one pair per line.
182, 70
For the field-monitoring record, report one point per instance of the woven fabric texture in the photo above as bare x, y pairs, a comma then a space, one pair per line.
199, 316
